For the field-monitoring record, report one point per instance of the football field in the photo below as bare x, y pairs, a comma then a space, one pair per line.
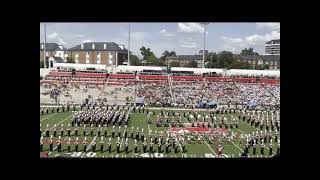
195, 149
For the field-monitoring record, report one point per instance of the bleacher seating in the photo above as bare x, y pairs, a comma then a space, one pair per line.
121, 76
187, 78
152, 77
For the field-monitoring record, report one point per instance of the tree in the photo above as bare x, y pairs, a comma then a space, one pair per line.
249, 51
145, 52
212, 59
164, 55
151, 59
240, 65
134, 60
70, 60
192, 64
167, 54
172, 53
175, 64
225, 59
262, 66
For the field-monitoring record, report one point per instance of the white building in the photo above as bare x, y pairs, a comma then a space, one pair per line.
273, 47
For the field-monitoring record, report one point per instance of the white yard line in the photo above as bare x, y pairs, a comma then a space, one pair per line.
47, 117
63, 140
149, 129
89, 145
237, 146
63, 120
210, 148
240, 131
121, 142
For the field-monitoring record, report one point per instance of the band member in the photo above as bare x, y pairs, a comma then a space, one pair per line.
270, 149
167, 147
84, 131
119, 132
144, 147
40, 131
126, 146
99, 132
159, 147
47, 131
137, 134
278, 149
69, 143
112, 131
135, 146
61, 130
69, 130
91, 131
262, 149
151, 147
219, 150
105, 132
125, 134
41, 144
51, 144
101, 145
175, 147
94, 146
52, 111
109, 145
183, 147
76, 131
118, 147
254, 149
59, 144
84, 142
47, 111
76, 145
41, 111
276, 136
142, 135
131, 131
55, 130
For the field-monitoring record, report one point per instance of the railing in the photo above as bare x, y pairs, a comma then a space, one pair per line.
152, 77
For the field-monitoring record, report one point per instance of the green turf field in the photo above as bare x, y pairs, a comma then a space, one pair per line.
203, 149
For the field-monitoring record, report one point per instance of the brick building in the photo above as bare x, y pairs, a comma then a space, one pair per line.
108, 53
185, 59
53, 50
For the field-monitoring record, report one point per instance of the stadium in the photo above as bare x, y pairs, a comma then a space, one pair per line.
95, 111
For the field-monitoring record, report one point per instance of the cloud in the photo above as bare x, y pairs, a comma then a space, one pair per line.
61, 41
190, 27
79, 36
139, 35
233, 40
268, 25
85, 41
53, 35
188, 43
163, 32
256, 40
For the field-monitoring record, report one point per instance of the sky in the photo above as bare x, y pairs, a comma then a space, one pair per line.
183, 38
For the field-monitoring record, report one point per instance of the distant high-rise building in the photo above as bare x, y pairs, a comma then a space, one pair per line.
273, 47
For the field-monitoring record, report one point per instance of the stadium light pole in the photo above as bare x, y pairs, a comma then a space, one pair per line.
204, 42
129, 48
44, 48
